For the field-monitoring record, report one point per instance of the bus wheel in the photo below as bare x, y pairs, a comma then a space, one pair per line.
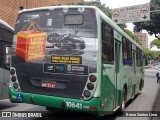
140, 86
51, 109
124, 99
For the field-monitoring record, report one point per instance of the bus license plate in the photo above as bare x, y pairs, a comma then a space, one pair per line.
49, 84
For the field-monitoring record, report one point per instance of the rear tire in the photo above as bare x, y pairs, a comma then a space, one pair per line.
51, 109
124, 99
140, 86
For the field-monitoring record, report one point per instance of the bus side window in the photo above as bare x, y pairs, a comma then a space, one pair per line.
8, 56
124, 58
124, 51
127, 52
107, 44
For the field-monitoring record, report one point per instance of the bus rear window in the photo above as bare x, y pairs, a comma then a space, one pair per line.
59, 21
73, 19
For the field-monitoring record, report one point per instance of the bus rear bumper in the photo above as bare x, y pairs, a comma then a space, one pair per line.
91, 106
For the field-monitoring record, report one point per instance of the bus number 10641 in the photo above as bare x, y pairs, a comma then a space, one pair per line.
73, 105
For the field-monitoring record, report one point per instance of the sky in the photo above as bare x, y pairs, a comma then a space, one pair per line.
123, 3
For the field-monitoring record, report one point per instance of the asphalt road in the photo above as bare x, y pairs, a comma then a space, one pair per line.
143, 102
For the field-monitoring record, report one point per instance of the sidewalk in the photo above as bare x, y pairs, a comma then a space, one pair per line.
157, 106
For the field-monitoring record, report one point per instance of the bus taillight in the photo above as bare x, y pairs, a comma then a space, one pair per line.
12, 71
92, 78
92, 107
87, 93
15, 85
90, 86
13, 78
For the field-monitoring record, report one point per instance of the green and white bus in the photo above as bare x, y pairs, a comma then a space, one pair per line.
74, 58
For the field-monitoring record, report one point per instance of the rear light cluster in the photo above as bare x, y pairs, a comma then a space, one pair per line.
14, 79
90, 86
12, 71
92, 78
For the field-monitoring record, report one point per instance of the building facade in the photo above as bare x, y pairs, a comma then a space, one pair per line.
9, 8
143, 37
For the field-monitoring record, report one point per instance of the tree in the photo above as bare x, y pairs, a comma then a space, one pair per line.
122, 26
158, 56
152, 26
97, 3
134, 37
155, 42
149, 54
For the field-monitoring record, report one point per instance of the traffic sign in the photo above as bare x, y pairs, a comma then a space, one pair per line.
136, 13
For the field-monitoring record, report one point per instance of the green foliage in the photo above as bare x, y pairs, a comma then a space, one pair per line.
155, 42
149, 54
122, 26
96, 3
152, 26
134, 37
158, 56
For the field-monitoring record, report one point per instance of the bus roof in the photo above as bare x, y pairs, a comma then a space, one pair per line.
106, 18
54, 7
6, 25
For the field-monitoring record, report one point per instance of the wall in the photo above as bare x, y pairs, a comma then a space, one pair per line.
10, 8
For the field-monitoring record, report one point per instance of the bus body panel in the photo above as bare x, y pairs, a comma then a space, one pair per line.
127, 76
108, 87
70, 54
92, 106
45, 81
